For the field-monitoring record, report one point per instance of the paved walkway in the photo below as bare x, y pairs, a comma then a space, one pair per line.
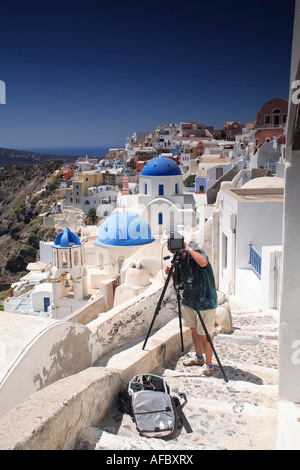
238, 415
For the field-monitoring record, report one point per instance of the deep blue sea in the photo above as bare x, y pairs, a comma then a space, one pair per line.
100, 151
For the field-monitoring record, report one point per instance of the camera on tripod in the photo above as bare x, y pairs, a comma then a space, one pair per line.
175, 242
176, 272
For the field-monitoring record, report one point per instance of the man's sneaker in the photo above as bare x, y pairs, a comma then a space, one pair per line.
194, 361
208, 371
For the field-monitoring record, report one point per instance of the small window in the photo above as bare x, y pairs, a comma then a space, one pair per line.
176, 188
160, 218
145, 192
267, 119
161, 189
219, 173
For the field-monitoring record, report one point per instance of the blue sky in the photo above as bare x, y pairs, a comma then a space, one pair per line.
90, 73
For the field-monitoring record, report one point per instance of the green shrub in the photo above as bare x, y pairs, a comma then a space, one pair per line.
17, 207
189, 181
28, 253
32, 240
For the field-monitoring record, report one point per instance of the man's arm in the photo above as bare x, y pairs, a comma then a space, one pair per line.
198, 257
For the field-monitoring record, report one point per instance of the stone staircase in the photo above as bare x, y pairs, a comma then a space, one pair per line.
240, 414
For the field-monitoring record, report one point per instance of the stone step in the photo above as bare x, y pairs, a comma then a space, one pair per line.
247, 351
217, 389
240, 414
248, 320
99, 439
233, 415
234, 424
219, 422
264, 332
248, 381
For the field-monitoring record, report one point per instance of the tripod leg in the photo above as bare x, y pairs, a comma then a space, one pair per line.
158, 307
180, 319
202, 322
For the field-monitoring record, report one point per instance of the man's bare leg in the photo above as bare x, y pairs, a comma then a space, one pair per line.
208, 350
198, 342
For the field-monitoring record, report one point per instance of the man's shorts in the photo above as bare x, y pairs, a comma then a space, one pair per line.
191, 319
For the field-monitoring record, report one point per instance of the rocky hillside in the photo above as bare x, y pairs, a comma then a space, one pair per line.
20, 223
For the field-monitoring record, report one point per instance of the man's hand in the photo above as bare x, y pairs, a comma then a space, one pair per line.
198, 257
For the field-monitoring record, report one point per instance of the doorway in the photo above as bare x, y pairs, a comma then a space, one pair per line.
46, 303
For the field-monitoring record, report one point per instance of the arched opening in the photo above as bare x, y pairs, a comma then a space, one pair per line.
276, 117
64, 258
67, 285
76, 258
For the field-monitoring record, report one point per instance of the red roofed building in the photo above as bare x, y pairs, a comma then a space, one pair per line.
271, 121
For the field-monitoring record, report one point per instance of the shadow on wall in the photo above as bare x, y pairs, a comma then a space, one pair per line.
50, 350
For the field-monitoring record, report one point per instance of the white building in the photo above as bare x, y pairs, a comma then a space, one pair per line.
134, 143
119, 237
98, 196
68, 275
118, 165
289, 331
59, 285
42, 298
250, 235
81, 166
190, 156
167, 136
162, 201
212, 169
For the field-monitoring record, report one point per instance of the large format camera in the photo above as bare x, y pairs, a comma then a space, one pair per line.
175, 242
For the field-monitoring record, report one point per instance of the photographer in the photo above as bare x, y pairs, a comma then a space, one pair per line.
200, 278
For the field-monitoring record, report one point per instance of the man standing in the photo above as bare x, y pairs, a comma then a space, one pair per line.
200, 278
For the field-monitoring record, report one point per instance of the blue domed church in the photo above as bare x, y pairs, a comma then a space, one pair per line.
119, 237
161, 199
68, 274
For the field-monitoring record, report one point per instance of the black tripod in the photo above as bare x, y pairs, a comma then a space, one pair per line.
179, 276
